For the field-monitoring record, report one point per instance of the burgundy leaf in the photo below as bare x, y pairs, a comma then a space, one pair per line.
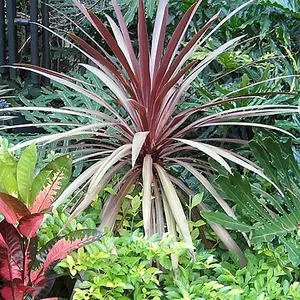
125, 34
98, 57
187, 48
158, 37
12, 208
144, 54
173, 44
29, 225
114, 46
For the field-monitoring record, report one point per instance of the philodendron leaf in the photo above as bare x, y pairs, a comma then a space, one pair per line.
225, 221
25, 172
293, 250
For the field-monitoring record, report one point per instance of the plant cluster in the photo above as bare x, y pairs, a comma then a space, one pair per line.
23, 269
155, 142
118, 268
150, 140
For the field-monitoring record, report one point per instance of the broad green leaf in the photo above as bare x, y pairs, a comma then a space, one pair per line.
225, 221
25, 172
8, 182
6, 157
263, 157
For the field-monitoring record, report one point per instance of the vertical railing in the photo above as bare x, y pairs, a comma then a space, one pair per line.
8, 42
35, 60
46, 44
11, 36
2, 37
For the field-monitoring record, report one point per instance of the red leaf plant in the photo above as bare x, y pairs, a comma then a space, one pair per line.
23, 270
144, 127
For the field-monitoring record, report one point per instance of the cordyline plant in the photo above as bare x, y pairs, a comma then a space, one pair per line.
23, 270
152, 136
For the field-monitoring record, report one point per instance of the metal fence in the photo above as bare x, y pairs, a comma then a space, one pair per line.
39, 38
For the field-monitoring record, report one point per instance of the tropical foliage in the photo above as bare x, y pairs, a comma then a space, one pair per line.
168, 126
271, 216
21, 178
24, 270
149, 137
118, 266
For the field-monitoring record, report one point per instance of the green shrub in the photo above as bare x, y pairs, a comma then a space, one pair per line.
131, 267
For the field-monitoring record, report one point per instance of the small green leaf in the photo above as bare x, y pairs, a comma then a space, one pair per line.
136, 203
199, 223
110, 190
197, 199
25, 172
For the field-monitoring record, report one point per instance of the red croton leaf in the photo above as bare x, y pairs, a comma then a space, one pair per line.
45, 197
60, 250
11, 253
12, 208
12, 292
29, 225
35, 275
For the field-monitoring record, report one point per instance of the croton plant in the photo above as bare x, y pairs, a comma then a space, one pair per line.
25, 269
143, 134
